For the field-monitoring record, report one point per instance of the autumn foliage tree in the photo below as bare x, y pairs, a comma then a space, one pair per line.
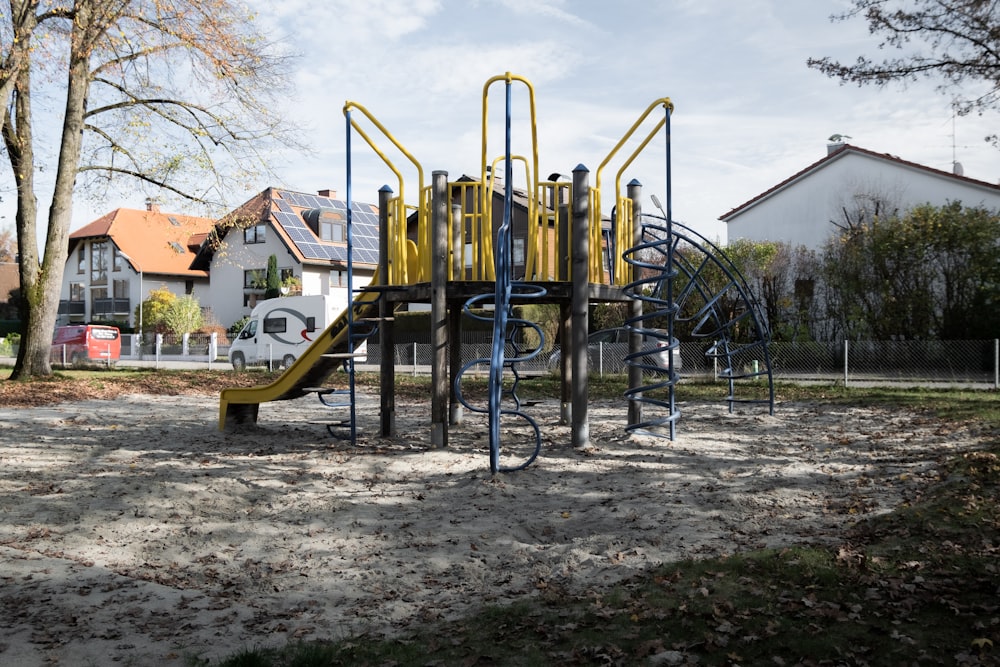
8, 246
173, 96
929, 273
166, 313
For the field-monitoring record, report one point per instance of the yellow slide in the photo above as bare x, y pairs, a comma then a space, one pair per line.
239, 405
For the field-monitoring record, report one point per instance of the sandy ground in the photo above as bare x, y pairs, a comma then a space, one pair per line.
134, 532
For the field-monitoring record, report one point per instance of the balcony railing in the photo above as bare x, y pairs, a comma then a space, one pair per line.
72, 308
110, 307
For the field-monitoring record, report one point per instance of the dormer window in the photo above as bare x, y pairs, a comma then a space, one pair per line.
327, 224
255, 233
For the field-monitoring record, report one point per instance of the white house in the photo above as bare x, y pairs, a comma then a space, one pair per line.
116, 260
810, 206
307, 233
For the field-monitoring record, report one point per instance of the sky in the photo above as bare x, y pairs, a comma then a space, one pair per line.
748, 113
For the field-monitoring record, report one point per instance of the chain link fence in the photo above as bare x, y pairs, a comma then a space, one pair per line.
975, 362
969, 362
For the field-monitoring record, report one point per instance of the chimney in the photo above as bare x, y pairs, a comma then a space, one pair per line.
837, 142
151, 205
329, 194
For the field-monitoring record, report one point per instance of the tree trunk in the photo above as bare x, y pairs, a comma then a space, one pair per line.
41, 284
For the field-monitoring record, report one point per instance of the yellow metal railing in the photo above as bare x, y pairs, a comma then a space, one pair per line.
548, 243
596, 264
621, 270
547, 240
531, 173
399, 272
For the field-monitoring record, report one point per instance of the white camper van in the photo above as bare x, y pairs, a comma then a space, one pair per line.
281, 329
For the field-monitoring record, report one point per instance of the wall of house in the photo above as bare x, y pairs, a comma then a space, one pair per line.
804, 213
334, 283
228, 298
230, 301
137, 289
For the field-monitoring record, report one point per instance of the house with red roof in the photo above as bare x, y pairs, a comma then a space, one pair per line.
847, 185
116, 260
307, 233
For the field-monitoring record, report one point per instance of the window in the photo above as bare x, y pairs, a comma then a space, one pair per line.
327, 224
255, 233
332, 231
338, 279
117, 261
77, 292
189, 287
178, 248
517, 251
81, 259
286, 274
255, 279
120, 302
99, 263
275, 324
250, 330
100, 304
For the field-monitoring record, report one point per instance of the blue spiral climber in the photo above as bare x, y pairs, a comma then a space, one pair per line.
507, 331
691, 280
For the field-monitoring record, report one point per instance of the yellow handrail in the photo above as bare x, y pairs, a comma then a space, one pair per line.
621, 270
397, 243
486, 225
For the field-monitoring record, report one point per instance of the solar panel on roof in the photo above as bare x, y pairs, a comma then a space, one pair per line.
364, 228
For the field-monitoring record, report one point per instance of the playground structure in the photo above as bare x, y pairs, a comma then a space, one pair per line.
455, 250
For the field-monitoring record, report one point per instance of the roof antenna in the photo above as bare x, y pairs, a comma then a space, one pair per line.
956, 166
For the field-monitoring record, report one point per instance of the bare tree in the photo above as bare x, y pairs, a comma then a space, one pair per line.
956, 42
172, 94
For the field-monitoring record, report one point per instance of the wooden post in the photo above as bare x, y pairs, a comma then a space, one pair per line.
580, 305
386, 331
439, 309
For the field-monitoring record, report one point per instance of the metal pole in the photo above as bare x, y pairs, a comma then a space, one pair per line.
457, 243
846, 346
580, 305
671, 394
439, 309
456, 411
140, 309
634, 191
996, 363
